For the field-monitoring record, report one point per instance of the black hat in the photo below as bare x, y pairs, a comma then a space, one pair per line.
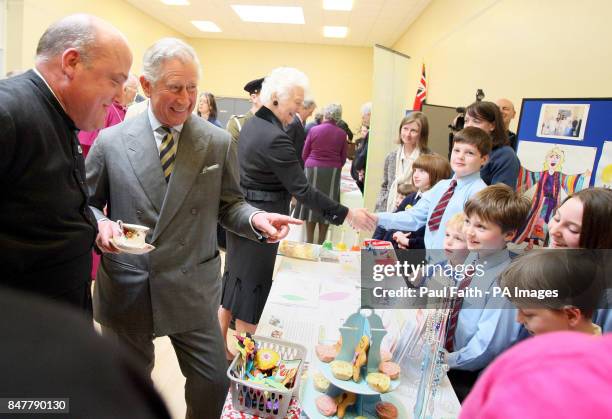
254, 86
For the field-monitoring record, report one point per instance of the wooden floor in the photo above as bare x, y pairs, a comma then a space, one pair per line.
168, 379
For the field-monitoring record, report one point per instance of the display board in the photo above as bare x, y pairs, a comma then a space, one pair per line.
439, 118
564, 145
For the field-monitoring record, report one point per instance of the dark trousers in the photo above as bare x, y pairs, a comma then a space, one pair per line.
462, 382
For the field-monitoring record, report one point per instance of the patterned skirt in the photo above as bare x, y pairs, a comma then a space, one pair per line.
326, 180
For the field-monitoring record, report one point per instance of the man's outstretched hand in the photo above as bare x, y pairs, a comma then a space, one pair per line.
273, 226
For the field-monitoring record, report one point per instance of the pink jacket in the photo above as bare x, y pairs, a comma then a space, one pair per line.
555, 375
114, 115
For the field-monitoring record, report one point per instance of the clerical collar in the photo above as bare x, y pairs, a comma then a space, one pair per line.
49, 87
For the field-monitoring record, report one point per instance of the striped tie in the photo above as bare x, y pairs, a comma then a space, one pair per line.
167, 153
438, 212
456, 307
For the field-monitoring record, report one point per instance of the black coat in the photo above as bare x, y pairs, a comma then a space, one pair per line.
270, 174
268, 163
295, 130
51, 351
359, 162
46, 227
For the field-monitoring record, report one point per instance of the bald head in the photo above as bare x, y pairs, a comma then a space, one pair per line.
507, 110
84, 33
86, 61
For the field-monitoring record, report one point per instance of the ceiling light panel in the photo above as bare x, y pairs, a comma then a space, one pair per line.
270, 14
206, 25
335, 31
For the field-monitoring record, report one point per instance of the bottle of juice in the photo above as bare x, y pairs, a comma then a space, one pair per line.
356, 246
327, 244
341, 246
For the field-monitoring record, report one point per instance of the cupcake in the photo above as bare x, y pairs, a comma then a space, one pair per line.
266, 359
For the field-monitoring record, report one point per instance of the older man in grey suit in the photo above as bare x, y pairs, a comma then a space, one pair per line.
176, 174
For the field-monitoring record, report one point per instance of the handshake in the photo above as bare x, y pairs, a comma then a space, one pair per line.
361, 219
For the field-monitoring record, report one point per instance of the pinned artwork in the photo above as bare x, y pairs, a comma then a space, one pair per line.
548, 173
563, 121
603, 175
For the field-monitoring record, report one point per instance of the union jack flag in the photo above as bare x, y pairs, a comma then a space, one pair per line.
421, 93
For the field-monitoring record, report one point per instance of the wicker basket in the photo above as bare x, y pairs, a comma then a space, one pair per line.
259, 400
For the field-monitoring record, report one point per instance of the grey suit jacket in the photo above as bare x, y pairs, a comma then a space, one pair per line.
176, 287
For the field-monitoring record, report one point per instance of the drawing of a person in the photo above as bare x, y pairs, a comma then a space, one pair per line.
546, 198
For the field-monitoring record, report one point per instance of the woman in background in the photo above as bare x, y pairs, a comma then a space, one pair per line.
207, 108
324, 155
412, 140
583, 222
503, 165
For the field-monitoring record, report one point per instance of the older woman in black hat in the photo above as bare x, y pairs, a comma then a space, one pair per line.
270, 173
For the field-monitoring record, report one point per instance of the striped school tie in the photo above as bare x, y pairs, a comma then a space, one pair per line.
453, 318
167, 153
438, 212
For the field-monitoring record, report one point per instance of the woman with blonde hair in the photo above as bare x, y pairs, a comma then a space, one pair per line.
412, 140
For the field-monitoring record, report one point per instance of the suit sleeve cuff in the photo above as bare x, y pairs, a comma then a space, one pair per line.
258, 234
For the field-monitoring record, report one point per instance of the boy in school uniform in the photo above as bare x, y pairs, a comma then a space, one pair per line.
455, 253
577, 276
471, 149
481, 326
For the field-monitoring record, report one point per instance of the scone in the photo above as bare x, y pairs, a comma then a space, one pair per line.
386, 410
321, 383
378, 381
342, 370
326, 405
391, 369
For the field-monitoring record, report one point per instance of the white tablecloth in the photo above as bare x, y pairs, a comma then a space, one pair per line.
310, 300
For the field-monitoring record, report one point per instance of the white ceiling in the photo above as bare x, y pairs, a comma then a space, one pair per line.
370, 22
